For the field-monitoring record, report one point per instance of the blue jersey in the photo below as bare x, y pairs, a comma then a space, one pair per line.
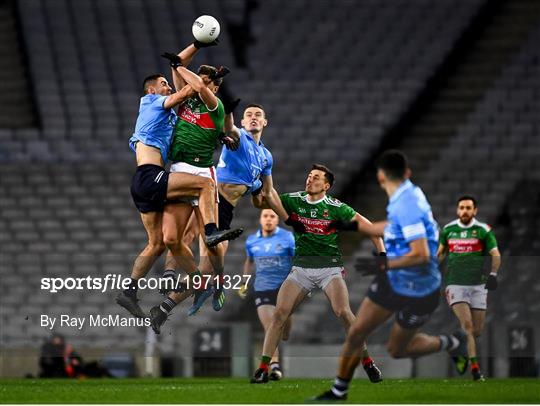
273, 257
154, 125
410, 218
246, 165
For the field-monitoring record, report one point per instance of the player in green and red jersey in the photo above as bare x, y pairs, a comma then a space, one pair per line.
198, 128
465, 242
317, 262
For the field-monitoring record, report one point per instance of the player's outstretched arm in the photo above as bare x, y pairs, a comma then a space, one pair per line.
272, 197
197, 83
179, 97
364, 223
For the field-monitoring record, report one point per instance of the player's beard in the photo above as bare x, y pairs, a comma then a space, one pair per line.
465, 220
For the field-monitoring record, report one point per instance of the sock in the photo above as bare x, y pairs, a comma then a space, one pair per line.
131, 291
341, 386
264, 362
209, 228
167, 305
474, 363
366, 361
274, 365
448, 342
169, 273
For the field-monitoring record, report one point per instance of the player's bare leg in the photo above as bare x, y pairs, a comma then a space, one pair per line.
153, 225
369, 317
287, 298
265, 313
478, 321
338, 295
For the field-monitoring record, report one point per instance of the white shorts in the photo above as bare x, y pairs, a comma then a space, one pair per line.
311, 278
474, 295
198, 171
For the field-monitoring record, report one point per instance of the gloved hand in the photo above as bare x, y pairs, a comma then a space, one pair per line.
242, 292
341, 225
373, 266
200, 45
491, 283
297, 225
229, 142
231, 105
174, 60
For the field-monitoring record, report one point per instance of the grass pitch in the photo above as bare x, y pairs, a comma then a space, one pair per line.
198, 390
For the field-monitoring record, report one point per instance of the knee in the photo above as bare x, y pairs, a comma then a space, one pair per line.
477, 332
467, 326
280, 317
171, 239
156, 248
342, 312
395, 351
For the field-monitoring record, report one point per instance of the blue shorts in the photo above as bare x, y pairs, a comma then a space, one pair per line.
149, 188
411, 312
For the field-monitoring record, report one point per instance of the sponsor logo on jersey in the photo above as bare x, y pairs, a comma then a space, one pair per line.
202, 120
315, 226
464, 245
325, 213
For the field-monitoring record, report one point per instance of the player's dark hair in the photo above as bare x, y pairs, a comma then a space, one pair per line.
468, 197
257, 105
328, 174
394, 164
150, 80
210, 71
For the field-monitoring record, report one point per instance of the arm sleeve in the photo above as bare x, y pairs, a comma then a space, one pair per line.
411, 222
286, 201
267, 170
249, 254
157, 104
491, 241
346, 212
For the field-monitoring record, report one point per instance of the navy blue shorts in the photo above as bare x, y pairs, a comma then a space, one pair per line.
149, 188
225, 211
411, 312
266, 297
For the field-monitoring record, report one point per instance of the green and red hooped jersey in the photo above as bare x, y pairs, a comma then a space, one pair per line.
467, 247
318, 247
196, 132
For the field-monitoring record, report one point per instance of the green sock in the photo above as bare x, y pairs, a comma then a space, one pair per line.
265, 360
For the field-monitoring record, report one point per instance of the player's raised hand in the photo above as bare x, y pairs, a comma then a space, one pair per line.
174, 60
491, 283
242, 292
230, 143
231, 105
373, 266
296, 225
199, 44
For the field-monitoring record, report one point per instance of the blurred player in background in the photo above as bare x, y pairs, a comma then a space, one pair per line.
317, 262
407, 284
465, 242
241, 171
152, 185
271, 249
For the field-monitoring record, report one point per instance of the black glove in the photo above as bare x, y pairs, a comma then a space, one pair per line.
341, 225
231, 105
199, 44
297, 225
491, 283
229, 142
373, 266
174, 60
221, 72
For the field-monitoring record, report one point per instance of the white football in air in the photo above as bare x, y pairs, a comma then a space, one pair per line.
205, 29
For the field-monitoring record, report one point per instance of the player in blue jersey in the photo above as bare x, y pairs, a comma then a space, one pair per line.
243, 171
271, 250
407, 283
152, 185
